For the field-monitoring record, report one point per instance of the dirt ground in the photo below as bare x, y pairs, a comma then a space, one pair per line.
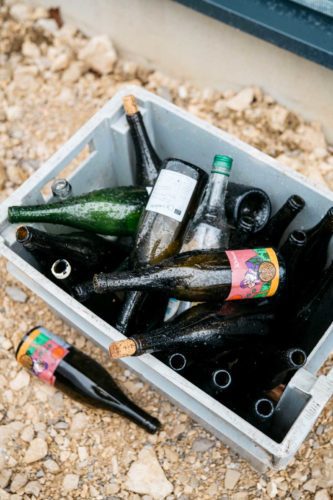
50, 446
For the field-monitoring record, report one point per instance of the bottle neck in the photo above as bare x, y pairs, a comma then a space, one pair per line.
147, 159
215, 193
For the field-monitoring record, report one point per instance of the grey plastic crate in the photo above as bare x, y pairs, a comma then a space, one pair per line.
110, 161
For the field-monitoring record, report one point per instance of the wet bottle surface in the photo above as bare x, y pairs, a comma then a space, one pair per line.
114, 211
247, 200
87, 250
201, 276
148, 163
216, 331
273, 231
209, 227
173, 200
58, 363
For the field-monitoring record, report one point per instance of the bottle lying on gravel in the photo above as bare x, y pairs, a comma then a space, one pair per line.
58, 363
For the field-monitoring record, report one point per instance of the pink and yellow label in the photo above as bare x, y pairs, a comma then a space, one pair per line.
255, 273
41, 353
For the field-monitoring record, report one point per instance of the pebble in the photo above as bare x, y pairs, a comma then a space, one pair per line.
48, 25
99, 54
231, 478
30, 49
4, 495
272, 489
310, 485
20, 12
242, 100
16, 294
202, 445
70, 482
33, 488
13, 113
18, 481
36, 451
61, 62
74, 72
51, 466
5, 475
322, 495
79, 423
21, 380
28, 434
147, 477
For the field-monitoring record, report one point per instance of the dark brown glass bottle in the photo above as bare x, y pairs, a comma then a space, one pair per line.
86, 250
314, 257
173, 200
148, 164
216, 332
202, 276
274, 230
58, 363
247, 200
66, 277
292, 251
243, 231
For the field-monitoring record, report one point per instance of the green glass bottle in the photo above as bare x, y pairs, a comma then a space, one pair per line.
113, 211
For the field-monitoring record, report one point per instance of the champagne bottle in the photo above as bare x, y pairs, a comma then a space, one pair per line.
173, 200
216, 332
314, 315
273, 231
271, 366
114, 211
244, 229
64, 275
87, 250
148, 164
315, 251
208, 228
247, 200
291, 251
61, 189
58, 363
210, 275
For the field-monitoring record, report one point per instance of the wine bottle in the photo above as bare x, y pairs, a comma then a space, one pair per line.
208, 228
148, 164
210, 275
269, 367
315, 253
274, 230
291, 251
258, 410
247, 200
64, 275
314, 315
58, 363
244, 229
114, 211
217, 332
61, 189
173, 200
87, 250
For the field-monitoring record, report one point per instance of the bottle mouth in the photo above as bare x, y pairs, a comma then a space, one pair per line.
22, 234
222, 379
264, 408
298, 237
246, 222
61, 269
296, 202
60, 187
297, 357
177, 361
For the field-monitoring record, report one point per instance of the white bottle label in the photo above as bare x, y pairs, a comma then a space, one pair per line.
171, 194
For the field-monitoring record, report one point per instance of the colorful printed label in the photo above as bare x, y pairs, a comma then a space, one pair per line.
171, 194
41, 353
255, 273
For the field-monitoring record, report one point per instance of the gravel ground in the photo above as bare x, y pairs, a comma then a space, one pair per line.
51, 81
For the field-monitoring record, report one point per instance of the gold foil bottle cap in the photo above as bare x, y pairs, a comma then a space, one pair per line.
122, 349
130, 105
